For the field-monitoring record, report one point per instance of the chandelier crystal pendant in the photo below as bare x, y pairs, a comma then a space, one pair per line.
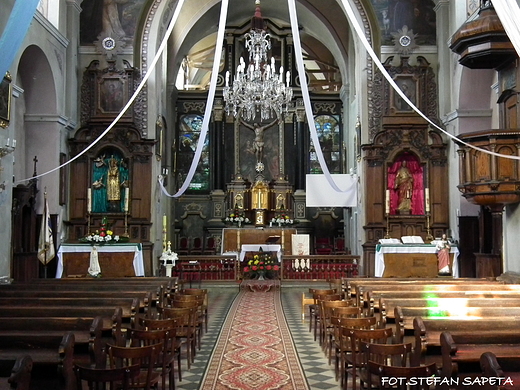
258, 87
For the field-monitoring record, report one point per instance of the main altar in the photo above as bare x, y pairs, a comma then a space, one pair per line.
234, 240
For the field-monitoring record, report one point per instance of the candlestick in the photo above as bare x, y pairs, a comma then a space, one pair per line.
387, 202
427, 199
127, 198
89, 200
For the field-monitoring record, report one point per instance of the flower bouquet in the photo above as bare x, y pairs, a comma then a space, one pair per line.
282, 218
261, 266
103, 236
237, 216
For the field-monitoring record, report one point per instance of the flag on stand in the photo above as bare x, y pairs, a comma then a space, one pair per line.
46, 243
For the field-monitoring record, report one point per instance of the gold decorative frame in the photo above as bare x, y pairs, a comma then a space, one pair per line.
5, 100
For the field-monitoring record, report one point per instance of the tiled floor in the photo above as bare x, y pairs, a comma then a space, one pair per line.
319, 374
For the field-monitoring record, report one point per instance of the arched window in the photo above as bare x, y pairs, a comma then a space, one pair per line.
328, 129
189, 133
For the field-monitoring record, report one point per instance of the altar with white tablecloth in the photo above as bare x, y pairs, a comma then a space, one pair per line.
115, 260
234, 238
417, 260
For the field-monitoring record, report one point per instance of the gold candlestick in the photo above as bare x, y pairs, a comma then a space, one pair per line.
429, 236
387, 235
125, 234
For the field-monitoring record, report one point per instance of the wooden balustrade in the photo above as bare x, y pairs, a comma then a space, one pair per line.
321, 267
309, 267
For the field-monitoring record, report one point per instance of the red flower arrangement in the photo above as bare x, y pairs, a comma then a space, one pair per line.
261, 266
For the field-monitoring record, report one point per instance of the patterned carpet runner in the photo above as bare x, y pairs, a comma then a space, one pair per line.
255, 349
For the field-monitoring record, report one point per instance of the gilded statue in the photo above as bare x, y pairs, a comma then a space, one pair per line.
404, 187
113, 183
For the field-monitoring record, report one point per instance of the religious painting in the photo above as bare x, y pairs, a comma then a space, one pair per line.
418, 15
405, 186
409, 87
114, 18
5, 100
112, 95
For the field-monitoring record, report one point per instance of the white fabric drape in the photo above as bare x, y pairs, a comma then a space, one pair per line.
509, 14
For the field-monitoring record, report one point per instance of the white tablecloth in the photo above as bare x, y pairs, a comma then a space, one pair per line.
382, 249
81, 248
265, 247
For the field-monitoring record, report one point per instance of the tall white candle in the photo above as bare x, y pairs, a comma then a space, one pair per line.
164, 222
127, 198
387, 202
427, 199
89, 200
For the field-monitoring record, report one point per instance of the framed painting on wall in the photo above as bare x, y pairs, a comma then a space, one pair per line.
5, 100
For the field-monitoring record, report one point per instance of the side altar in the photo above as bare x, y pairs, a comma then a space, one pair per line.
115, 260
234, 238
407, 261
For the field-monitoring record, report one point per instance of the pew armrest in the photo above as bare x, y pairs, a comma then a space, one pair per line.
66, 360
20, 378
448, 349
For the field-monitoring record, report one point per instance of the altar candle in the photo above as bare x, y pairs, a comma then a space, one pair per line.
387, 202
89, 200
164, 222
127, 198
427, 199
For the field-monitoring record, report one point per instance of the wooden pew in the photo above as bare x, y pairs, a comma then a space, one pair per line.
128, 313
403, 316
427, 333
40, 313
364, 293
372, 302
350, 284
461, 352
47, 353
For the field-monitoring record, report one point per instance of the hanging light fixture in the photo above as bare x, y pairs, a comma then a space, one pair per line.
258, 87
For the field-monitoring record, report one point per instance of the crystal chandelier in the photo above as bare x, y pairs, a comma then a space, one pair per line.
258, 87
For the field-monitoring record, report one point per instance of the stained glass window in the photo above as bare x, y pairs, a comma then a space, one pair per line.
189, 133
328, 129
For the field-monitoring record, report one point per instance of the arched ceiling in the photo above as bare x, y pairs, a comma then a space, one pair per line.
324, 29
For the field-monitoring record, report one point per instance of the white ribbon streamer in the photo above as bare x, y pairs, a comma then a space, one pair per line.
305, 94
131, 101
209, 103
361, 35
509, 14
